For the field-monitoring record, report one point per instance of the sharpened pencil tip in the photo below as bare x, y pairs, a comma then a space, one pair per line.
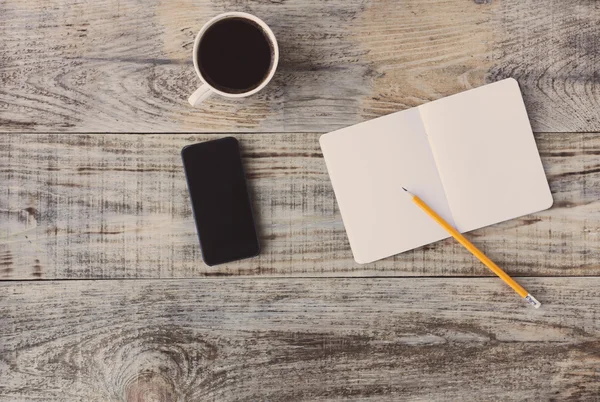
404, 189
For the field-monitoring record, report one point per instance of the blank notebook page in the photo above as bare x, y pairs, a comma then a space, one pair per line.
368, 163
486, 155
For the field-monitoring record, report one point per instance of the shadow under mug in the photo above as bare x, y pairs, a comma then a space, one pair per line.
206, 89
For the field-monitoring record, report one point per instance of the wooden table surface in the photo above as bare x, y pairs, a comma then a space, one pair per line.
104, 296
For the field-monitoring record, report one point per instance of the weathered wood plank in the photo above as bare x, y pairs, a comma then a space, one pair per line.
124, 65
110, 206
299, 339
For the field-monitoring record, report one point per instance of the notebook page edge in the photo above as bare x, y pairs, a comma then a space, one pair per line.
322, 144
437, 166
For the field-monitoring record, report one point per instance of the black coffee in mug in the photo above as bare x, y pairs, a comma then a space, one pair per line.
235, 55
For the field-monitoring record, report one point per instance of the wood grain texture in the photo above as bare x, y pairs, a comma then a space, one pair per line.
116, 206
299, 339
125, 65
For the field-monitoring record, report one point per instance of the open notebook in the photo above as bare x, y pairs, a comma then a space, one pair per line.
472, 157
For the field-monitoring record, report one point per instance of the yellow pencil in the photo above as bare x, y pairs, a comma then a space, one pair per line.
475, 251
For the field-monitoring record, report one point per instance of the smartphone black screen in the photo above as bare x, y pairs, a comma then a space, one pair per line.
220, 200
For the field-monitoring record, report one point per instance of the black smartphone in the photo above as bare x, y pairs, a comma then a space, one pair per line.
220, 201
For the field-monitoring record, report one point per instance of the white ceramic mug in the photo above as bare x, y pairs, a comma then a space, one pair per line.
206, 89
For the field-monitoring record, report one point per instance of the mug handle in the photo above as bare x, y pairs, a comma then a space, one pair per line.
200, 95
